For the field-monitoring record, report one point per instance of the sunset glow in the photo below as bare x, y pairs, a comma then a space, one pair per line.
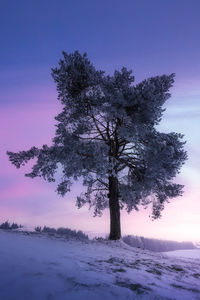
28, 101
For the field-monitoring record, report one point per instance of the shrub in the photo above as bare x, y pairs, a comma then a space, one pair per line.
38, 229
7, 226
66, 232
48, 229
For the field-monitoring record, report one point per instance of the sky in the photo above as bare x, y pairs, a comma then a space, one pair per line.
151, 38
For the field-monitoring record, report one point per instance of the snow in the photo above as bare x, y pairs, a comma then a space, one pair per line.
193, 253
38, 267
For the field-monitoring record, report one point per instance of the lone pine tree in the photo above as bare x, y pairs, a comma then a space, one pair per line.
106, 137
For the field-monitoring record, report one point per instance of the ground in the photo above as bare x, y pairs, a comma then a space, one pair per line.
38, 267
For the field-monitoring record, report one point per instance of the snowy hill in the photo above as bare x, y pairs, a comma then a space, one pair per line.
193, 253
155, 244
38, 267
197, 244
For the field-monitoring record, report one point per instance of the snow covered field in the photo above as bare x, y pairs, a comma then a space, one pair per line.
37, 267
193, 253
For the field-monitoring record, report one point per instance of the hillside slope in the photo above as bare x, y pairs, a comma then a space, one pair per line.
156, 244
39, 267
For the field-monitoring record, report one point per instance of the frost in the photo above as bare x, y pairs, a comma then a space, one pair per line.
45, 267
106, 130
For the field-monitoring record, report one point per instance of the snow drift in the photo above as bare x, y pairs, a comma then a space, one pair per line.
38, 267
155, 244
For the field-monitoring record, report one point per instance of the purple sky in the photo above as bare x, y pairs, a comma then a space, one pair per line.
150, 37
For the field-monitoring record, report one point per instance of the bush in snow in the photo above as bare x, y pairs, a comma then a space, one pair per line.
38, 229
48, 229
72, 233
155, 244
66, 232
6, 225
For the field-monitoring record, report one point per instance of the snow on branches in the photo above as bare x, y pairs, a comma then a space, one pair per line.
106, 129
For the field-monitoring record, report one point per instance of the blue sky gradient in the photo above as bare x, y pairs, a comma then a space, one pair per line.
152, 38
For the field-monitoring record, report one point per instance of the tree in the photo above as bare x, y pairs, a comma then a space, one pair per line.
106, 137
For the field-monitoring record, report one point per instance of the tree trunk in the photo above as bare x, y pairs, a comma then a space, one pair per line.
115, 228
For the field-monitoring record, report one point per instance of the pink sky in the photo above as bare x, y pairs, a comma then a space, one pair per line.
152, 38
34, 202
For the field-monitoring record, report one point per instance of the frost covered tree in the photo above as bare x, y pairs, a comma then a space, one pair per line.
106, 137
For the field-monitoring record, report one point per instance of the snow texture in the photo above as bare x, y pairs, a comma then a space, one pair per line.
155, 244
35, 266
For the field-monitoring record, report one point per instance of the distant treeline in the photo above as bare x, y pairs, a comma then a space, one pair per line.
8, 226
66, 232
155, 244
